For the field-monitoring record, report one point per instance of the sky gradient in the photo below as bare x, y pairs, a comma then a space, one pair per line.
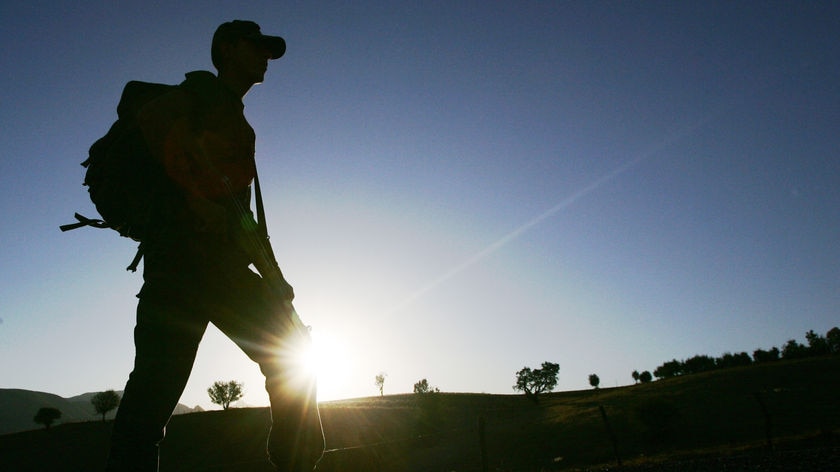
455, 189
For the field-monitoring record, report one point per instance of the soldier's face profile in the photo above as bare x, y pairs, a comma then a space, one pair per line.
251, 59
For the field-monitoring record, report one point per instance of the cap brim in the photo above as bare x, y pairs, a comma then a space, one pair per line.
275, 44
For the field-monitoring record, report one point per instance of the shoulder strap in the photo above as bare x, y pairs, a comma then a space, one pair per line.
262, 226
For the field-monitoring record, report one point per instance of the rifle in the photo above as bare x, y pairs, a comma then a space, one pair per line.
310, 442
256, 243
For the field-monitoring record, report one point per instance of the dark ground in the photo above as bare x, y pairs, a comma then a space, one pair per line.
702, 422
806, 460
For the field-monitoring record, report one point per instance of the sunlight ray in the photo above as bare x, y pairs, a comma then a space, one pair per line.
563, 204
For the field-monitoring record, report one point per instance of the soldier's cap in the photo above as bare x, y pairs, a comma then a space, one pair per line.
233, 31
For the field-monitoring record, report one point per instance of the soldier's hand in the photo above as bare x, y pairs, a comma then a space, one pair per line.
280, 288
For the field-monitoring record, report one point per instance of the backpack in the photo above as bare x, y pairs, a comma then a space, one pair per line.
125, 182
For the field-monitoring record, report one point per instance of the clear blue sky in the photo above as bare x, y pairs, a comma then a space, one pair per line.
455, 189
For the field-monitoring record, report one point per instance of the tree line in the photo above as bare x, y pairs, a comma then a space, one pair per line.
533, 382
817, 345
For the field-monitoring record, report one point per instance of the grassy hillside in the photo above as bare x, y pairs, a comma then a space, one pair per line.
18, 408
714, 412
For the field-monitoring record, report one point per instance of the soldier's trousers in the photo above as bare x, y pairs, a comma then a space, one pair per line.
172, 316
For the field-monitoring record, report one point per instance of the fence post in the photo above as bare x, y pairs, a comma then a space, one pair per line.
611, 434
768, 423
482, 444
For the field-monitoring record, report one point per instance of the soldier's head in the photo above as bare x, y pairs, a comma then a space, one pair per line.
240, 51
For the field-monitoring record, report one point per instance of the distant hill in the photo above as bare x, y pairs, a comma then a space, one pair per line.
716, 418
18, 407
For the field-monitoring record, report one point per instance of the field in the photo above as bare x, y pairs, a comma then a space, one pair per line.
764, 412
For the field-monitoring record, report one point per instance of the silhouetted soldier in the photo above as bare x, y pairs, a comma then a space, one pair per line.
197, 258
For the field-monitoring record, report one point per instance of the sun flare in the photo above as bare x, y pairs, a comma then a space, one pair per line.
327, 359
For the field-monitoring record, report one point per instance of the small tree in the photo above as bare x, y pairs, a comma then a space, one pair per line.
729, 360
817, 345
645, 377
536, 381
669, 369
423, 386
47, 416
594, 381
794, 350
698, 363
636, 376
430, 413
832, 337
380, 383
103, 402
225, 393
760, 355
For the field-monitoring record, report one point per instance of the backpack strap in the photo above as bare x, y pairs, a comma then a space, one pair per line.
84, 221
136, 261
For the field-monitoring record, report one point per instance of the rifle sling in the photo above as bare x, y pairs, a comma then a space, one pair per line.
262, 226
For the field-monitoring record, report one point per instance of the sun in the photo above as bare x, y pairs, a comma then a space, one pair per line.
311, 359
329, 361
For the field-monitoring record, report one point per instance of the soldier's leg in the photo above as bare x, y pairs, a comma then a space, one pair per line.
261, 330
166, 338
